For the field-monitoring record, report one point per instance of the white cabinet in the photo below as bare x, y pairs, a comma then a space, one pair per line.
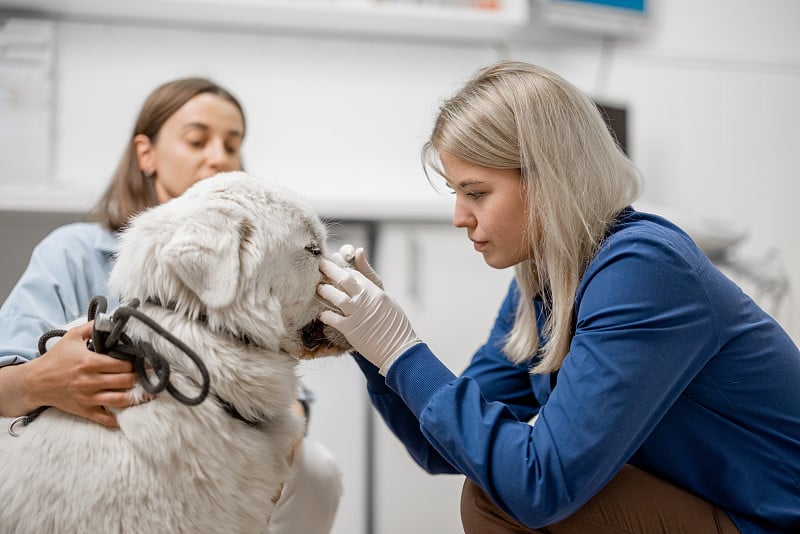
341, 413
451, 298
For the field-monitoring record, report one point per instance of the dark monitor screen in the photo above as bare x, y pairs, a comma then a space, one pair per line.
617, 120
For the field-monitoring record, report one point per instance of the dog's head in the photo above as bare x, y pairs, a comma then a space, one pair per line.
239, 252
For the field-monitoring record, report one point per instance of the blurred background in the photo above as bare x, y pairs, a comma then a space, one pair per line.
341, 94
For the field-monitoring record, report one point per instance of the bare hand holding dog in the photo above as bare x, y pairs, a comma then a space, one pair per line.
79, 381
370, 319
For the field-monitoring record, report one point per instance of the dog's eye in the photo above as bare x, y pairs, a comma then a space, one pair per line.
314, 249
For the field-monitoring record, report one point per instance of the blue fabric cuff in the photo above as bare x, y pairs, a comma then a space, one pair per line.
417, 375
376, 383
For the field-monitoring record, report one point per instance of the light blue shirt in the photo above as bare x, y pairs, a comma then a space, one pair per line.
67, 269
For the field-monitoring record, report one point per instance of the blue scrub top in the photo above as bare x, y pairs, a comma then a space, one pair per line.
672, 368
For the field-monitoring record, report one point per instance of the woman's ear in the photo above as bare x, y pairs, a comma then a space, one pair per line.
144, 154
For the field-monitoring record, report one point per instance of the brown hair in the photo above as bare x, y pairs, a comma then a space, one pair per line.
129, 191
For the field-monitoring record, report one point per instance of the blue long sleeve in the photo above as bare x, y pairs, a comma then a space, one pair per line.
671, 368
507, 382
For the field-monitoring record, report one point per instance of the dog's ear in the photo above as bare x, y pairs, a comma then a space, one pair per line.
204, 254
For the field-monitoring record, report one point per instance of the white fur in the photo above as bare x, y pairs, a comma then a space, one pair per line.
232, 249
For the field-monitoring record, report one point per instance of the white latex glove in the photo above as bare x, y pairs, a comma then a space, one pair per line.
371, 321
349, 256
345, 257
360, 262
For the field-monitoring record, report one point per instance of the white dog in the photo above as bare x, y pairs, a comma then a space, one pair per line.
230, 268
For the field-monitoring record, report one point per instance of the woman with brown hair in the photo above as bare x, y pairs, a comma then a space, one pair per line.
187, 130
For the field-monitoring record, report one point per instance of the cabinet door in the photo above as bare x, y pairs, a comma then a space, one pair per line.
451, 297
341, 413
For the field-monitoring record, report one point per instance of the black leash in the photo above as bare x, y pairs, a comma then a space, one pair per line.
108, 338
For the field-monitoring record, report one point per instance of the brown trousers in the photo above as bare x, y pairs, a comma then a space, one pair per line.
633, 502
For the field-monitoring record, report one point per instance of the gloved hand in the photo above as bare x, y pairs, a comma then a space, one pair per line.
348, 256
370, 319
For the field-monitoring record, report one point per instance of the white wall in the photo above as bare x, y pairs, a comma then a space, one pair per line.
323, 113
713, 95
712, 89
710, 86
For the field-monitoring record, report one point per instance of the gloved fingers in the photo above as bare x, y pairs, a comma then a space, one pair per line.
363, 266
331, 318
344, 256
347, 280
338, 260
348, 256
336, 298
334, 272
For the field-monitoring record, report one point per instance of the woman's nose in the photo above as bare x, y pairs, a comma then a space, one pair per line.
218, 157
462, 217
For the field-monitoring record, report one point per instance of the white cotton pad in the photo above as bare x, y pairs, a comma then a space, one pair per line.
348, 253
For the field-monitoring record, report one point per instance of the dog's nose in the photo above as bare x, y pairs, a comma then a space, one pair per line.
313, 334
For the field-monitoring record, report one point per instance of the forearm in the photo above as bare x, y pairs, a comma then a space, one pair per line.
401, 421
15, 399
482, 440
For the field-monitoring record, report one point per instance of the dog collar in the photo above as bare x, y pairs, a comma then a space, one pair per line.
244, 339
231, 410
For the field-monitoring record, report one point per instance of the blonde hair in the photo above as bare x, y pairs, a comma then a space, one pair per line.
515, 115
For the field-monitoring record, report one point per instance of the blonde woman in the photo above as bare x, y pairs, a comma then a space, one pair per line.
626, 386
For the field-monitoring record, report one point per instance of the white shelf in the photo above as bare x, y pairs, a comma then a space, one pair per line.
59, 198
352, 17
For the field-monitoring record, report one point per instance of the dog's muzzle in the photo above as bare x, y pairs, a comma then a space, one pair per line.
319, 339
312, 335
